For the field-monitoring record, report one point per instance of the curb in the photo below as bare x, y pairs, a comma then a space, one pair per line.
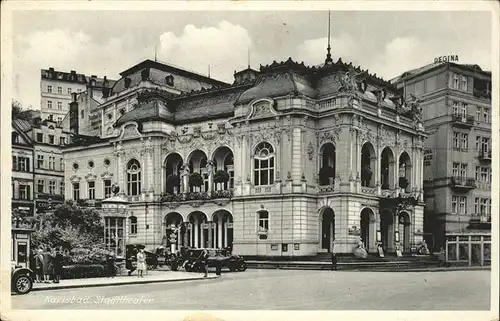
59, 287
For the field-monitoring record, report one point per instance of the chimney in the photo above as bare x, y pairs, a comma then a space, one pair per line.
73, 115
51, 69
73, 72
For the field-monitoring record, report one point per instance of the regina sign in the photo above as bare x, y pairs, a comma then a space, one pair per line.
452, 58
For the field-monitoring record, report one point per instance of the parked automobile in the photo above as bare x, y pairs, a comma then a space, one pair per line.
191, 260
21, 279
131, 258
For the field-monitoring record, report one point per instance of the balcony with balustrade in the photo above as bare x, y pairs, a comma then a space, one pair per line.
463, 121
463, 183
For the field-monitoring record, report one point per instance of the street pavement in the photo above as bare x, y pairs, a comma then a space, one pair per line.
283, 290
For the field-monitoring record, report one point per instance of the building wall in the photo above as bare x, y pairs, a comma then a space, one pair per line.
64, 98
439, 108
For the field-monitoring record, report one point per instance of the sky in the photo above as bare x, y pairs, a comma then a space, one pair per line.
108, 42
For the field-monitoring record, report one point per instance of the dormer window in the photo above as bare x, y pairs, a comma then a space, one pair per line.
127, 82
169, 80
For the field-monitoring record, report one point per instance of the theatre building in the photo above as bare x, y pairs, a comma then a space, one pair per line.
282, 162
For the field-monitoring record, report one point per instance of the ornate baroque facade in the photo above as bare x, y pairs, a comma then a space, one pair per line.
282, 162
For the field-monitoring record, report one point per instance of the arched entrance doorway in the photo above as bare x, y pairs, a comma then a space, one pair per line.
404, 230
387, 230
174, 232
197, 230
367, 226
327, 219
222, 229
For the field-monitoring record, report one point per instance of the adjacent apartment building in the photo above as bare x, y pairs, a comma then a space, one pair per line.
456, 106
56, 88
281, 162
37, 164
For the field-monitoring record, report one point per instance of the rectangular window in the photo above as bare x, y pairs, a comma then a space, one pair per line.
59, 90
23, 164
76, 191
107, 188
463, 205
484, 206
464, 83
455, 108
51, 139
463, 109
486, 115
23, 192
478, 171
489, 206
263, 221
61, 188
464, 142
40, 161
476, 205
456, 168
41, 186
454, 204
59, 120
484, 174
39, 137
463, 170
91, 190
52, 163
61, 164
478, 113
59, 105
485, 144
49, 104
52, 187
62, 140
70, 91
456, 140
455, 84
49, 89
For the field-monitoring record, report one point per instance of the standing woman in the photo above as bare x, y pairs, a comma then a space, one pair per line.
39, 266
47, 265
141, 262
57, 264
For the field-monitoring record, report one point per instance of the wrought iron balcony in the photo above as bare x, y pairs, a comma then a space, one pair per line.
485, 155
463, 120
463, 183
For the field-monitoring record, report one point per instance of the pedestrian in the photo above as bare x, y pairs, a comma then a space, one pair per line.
47, 265
141, 263
39, 266
204, 261
110, 263
57, 265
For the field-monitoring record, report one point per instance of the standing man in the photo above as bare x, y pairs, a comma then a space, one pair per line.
334, 257
204, 261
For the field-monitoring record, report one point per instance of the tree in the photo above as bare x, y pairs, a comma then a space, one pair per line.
78, 230
19, 112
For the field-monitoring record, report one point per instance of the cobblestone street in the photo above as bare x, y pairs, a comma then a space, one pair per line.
284, 290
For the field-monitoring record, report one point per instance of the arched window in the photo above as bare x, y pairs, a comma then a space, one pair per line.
133, 177
133, 225
264, 164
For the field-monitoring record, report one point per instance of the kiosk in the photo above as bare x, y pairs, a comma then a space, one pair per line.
21, 239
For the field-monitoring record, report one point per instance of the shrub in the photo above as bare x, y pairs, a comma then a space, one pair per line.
195, 179
77, 271
221, 177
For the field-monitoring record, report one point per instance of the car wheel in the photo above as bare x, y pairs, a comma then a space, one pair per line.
23, 284
243, 267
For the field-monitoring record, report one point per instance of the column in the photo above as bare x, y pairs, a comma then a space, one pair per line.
185, 179
210, 243
202, 236
421, 172
219, 232
225, 232
151, 168
196, 228
179, 240
296, 151
377, 181
210, 170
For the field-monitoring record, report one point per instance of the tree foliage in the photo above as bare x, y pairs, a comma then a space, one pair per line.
77, 230
19, 112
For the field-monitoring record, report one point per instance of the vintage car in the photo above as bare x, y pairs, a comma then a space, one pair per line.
21, 279
131, 258
191, 259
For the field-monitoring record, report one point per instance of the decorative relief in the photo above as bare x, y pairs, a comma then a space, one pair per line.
329, 135
310, 151
262, 108
75, 178
130, 130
